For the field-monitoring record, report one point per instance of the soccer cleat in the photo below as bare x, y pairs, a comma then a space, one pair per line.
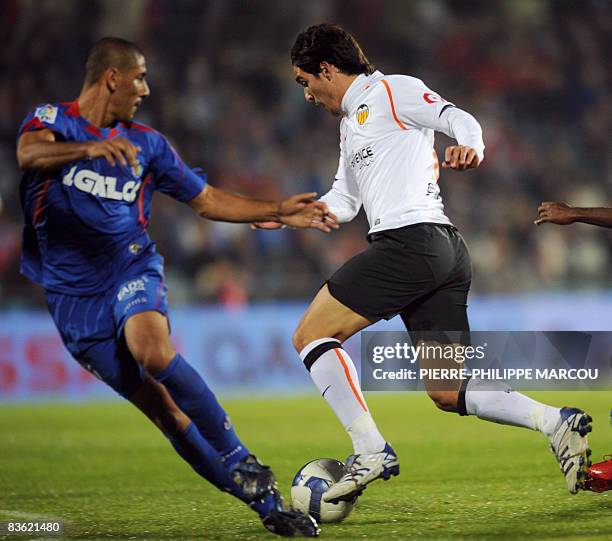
254, 478
360, 471
569, 444
288, 522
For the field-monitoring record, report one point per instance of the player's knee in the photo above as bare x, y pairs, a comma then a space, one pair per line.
445, 400
304, 336
153, 356
299, 339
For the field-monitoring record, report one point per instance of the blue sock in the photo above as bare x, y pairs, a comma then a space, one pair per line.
262, 508
198, 402
205, 460
199, 454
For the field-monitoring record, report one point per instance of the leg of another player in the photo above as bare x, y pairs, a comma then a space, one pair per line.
318, 339
445, 393
444, 311
148, 339
489, 400
566, 428
153, 399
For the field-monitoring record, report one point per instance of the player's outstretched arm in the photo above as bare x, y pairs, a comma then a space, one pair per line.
40, 150
299, 210
564, 214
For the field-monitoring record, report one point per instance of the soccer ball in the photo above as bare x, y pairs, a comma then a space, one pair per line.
308, 486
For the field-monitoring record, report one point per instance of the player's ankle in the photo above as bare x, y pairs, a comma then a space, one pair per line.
365, 435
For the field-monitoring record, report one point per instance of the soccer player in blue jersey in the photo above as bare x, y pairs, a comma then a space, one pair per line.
90, 175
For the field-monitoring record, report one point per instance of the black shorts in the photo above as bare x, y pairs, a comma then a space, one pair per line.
422, 272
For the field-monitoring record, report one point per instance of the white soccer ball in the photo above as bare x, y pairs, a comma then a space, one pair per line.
308, 486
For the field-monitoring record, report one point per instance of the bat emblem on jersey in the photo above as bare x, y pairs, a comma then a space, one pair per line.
363, 111
430, 97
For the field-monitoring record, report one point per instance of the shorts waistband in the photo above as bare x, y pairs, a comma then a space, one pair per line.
379, 234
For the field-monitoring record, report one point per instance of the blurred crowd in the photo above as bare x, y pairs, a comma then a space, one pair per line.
535, 73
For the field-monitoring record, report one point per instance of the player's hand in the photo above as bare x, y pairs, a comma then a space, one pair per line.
555, 213
301, 210
329, 221
295, 203
315, 215
114, 150
460, 158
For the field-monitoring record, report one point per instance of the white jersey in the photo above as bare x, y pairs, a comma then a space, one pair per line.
387, 157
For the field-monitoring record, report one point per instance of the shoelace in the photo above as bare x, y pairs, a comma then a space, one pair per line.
354, 472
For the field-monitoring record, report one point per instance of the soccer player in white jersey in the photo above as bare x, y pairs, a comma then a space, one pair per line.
416, 265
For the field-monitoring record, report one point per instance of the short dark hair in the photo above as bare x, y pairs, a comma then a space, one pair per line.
329, 43
110, 53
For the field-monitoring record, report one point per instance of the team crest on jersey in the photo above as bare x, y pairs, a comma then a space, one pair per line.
46, 113
135, 248
137, 170
363, 111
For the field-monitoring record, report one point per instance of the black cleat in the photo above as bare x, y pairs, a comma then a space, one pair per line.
254, 478
289, 523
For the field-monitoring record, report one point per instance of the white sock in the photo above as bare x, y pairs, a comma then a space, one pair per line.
334, 374
500, 404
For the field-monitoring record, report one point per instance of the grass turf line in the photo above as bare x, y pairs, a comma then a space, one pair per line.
107, 472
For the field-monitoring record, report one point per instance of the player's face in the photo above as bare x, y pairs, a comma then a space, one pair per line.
132, 88
319, 90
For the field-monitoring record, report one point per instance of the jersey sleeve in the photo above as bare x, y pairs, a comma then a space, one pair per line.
172, 176
413, 103
343, 199
44, 117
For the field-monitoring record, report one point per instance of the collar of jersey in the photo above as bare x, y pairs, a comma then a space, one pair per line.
100, 133
351, 97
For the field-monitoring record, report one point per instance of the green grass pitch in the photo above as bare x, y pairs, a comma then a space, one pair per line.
107, 473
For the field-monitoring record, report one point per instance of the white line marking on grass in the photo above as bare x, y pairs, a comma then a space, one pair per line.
16, 515
27, 516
